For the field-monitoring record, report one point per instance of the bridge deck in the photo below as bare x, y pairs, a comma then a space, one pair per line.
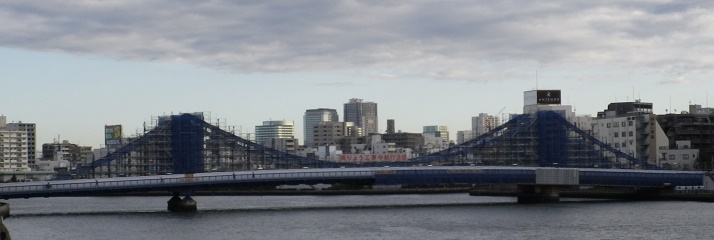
378, 176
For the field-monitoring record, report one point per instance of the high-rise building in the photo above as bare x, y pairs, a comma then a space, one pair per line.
697, 127
632, 128
390, 126
14, 146
437, 131
31, 140
274, 129
330, 133
482, 124
363, 115
313, 117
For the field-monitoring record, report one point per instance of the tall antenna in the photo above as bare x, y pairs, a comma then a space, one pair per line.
633, 93
670, 102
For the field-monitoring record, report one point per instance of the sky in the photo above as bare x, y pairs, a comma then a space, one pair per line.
73, 67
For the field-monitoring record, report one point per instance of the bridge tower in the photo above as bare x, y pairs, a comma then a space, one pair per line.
187, 141
552, 140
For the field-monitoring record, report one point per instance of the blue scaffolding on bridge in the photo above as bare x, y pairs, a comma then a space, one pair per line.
186, 143
543, 139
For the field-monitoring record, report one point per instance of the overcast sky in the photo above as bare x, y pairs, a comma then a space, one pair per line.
72, 67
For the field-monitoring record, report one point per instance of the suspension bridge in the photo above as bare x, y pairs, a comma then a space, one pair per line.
541, 152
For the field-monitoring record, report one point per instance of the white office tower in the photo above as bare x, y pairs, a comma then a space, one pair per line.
274, 129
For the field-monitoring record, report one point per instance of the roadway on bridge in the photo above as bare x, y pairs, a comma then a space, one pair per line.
378, 176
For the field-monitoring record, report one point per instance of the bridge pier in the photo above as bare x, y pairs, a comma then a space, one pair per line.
187, 204
538, 193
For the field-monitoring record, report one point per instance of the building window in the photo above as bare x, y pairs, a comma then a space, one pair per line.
623, 134
629, 123
671, 157
617, 134
685, 156
617, 145
616, 124
631, 133
608, 125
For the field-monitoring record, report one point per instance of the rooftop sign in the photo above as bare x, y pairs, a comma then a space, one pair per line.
541, 97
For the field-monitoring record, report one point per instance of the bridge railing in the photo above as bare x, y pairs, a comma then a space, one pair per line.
168, 181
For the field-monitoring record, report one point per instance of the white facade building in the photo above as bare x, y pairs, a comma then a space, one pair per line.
434, 144
51, 165
274, 129
328, 153
632, 128
14, 156
379, 146
483, 123
681, 158
30, 128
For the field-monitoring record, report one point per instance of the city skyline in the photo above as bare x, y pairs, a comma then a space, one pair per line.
74, 67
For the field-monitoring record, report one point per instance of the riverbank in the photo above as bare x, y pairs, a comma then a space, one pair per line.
615, 193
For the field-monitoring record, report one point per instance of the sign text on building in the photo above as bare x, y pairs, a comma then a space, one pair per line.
363, 158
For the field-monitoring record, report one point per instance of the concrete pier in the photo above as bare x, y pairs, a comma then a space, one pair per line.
538, 194
187, 204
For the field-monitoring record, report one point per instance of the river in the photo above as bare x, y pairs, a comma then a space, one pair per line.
439, 216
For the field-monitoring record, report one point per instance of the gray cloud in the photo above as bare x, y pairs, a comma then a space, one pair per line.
465, 40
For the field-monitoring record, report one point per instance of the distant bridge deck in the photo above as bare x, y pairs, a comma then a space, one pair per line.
379, 176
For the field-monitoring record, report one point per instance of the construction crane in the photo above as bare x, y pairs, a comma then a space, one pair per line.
502, 118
